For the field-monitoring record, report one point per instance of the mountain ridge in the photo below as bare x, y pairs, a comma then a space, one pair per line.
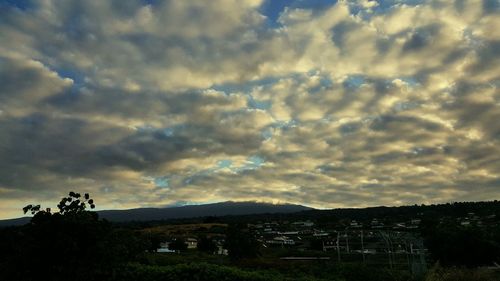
226, 208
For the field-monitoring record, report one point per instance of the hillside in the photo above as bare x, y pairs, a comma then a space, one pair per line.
191, 211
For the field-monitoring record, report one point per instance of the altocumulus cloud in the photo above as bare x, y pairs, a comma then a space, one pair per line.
323, 103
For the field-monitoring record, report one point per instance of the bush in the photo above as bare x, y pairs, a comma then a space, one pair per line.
178, 245
206, 244
438, 273
241, 243
196, 272
454, 245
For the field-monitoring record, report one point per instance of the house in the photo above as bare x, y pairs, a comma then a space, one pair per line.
281, 240
320, 233
192, 243
416, 221
465, 222
355, 224
221, 251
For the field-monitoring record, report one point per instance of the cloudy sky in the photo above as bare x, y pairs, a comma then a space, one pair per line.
317, 102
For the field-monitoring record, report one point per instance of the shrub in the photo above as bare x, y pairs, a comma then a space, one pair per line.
196, 272
438, 273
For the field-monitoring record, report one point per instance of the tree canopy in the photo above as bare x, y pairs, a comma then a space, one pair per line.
70, 244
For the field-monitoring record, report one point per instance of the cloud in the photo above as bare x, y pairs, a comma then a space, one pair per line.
353, 103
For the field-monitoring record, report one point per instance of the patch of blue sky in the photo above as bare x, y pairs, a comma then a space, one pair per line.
162, 182
354, 81
285, 125
411, 81
267, 134
325, 83
151, 2
382, 7
258, 104
180, 203
253, 162
266, 82
225, 163
473, 41
245, 87
386, 5
77, 77
168, 132
491, 6
256, 161
19, 4
145, 128
159, 133
273, 9
171, 131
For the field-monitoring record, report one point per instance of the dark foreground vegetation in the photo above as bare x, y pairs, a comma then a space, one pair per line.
74, 244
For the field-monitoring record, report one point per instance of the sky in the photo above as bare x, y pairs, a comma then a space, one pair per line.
329, 104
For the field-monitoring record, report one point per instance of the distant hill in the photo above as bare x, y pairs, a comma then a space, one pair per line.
191, 211
13, 222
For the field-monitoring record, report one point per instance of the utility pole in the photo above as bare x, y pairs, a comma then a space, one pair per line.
408, 257
388, 248
338, 246
347, 241
391, 245
362, 247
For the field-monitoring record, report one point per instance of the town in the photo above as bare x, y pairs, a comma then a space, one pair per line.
378, 241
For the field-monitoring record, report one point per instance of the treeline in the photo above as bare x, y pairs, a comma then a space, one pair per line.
339, 216
203, 271
72, 244
453, 244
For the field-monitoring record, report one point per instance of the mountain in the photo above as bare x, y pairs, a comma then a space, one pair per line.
13, 222
190, 211
216, 209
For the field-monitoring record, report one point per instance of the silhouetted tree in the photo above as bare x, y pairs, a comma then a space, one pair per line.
206, 244
72, 204
155, 240
455, 245
178, 245
70, 244
241, 243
